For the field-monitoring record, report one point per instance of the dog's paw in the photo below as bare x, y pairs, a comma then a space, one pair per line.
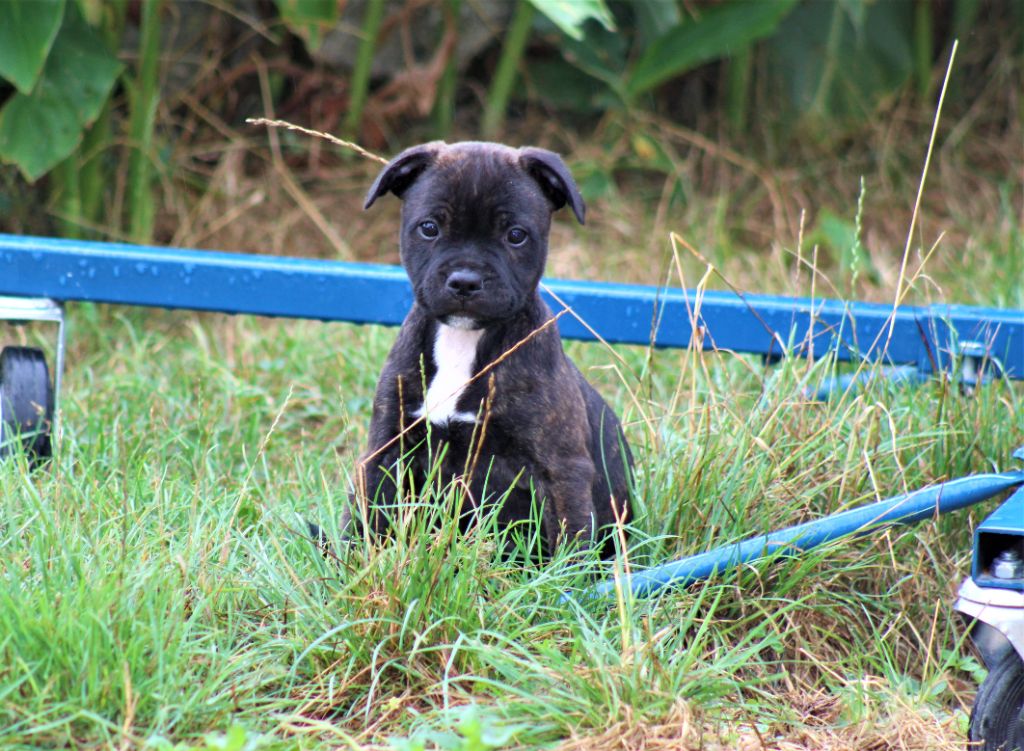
320, 539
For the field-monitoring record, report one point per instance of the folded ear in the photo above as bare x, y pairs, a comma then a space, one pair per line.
402, 171
554, 178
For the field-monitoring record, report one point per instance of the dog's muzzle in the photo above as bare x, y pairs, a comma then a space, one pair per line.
464, 284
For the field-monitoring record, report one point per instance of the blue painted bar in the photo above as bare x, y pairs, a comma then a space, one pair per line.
899, 375
69, 270
903, 509
926, 337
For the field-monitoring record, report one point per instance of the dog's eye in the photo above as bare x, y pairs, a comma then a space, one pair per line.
516, 236
429, 230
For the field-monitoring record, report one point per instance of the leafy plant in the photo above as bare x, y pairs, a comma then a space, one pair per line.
63, 74
309, 18
237, 738
809, 56
372, 20
472, 732
803, 53
26, 35
656, 45
720, 31
144, 95
64, 69
569, 16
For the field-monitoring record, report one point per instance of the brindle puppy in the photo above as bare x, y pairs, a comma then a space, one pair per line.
479, 358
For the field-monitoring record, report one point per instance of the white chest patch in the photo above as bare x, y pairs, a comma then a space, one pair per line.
454, 354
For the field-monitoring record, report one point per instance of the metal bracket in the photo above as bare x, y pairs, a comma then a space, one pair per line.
993, 595
17, 310
999, 548
978, 365
1001, 610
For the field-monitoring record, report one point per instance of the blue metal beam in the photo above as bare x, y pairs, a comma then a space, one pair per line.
902, 509
929, 338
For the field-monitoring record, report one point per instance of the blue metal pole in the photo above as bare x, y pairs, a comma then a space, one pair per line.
929, 338
897, 375
903, 509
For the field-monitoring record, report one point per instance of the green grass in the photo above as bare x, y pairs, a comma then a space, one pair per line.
155, 582
156, 587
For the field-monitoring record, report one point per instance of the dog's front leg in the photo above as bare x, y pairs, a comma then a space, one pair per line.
376, 486
380, 474
568, 515
361, 513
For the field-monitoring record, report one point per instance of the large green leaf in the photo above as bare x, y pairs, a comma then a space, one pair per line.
309, 18
27, 31
570, 15
39, 130
720, 31
565, 85
809, 58
601, 54
653, 17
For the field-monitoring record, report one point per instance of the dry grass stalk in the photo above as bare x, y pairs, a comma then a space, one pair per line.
317, 134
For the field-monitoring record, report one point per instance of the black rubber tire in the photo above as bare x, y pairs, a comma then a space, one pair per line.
26, 403
997, 718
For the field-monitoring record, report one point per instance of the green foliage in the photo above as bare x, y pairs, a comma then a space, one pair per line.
145, 94
310, 19
40, 128
812, 55
571, 15
662, 46
236, 739
156, 580
60, 122
821, 63
27, 31
657, 45
720, 31
473, 731
842, 239
508, 68
807, 54
360, 84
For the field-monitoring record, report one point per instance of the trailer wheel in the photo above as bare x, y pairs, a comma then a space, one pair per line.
997, 719
26, 402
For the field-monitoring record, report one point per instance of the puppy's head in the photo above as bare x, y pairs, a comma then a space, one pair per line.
475, 222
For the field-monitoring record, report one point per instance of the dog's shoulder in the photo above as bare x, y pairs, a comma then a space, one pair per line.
407, 364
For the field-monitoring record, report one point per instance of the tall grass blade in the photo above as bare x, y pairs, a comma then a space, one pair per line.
508, 68
359, 87
144, 98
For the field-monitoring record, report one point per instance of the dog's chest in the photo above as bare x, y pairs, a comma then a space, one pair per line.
454, 355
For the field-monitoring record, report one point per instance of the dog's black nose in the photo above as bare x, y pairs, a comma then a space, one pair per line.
464, 283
